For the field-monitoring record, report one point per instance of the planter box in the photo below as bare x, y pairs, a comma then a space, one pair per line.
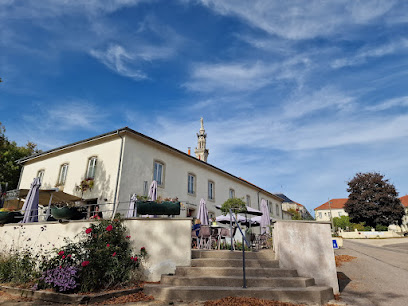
6, 217
154, 208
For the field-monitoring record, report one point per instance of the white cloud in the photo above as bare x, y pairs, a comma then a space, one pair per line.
301, 19
370, 52
395, 102
117, 59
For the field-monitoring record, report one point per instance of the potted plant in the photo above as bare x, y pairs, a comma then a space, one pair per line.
65, 210
167, 206
84, 185
6, 215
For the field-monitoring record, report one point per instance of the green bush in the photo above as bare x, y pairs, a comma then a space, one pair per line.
18, 268
102, 259
381, 228
237, 205
342, 222
358, 226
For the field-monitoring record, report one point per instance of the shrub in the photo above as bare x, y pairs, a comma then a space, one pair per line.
358, 226
237, 205
102, 258
19, 268
380, 228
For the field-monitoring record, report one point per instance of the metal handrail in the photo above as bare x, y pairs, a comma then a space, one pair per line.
243, 246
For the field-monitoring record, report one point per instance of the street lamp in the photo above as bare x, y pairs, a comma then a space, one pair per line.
331, 215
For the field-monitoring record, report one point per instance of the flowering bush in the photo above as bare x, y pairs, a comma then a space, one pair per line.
101, 258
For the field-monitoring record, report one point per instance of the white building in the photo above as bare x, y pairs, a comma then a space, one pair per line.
288, 204
332, 208
123, 162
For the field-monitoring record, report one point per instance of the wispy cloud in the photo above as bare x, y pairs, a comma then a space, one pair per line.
301, 20
371, 52
395, 102
117, 59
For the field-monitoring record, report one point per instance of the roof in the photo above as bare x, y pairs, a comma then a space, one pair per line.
334, 204
285, 198
129, 130
404, 200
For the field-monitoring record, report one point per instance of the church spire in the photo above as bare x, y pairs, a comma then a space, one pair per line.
201, 152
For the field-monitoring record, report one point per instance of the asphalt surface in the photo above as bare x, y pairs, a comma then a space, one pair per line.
378, 275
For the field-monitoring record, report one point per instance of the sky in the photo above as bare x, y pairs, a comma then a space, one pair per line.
296, 96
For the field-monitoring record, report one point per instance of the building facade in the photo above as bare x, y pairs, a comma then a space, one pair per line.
332, 208
288, 204
123, 162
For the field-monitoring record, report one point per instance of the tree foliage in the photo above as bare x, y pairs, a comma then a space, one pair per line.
342, 222
373, 200
295, 214
9, 153
237, 205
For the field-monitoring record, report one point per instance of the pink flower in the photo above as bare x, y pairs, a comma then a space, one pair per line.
113, 254
108, 245
88, 230
109, 228
61, 253
63, 256
85, 263
69, 256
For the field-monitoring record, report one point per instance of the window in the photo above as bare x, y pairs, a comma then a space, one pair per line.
145, 188
191, 183
210, 190
158, 173
277, 209
40, 175
90, 174
320, 214
63, 174
248, 200
340, 214
231, 193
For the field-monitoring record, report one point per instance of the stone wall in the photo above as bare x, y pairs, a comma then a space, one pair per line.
307, 247
168, 241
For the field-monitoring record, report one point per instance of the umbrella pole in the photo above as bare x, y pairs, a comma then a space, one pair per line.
231, 229
49, 208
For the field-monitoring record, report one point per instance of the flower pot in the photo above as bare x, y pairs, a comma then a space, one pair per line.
6, 217
154, 208
63, 212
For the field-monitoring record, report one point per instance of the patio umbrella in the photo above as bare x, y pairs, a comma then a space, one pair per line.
30, 206
153, 191
203, 213
265, 218
250, 210
132, 212
226, 219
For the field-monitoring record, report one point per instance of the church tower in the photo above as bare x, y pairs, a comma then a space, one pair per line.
201, 152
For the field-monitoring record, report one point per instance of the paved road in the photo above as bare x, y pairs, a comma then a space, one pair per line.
378, 276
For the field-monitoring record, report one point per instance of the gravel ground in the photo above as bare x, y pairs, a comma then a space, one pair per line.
378, 275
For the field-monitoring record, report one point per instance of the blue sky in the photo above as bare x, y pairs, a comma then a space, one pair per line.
297, 96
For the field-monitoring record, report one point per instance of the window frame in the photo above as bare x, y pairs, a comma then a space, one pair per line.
277, 209
41, 177
248, 200
231, 193
60, 181
163, 172
194, 185
87, 176
212, 198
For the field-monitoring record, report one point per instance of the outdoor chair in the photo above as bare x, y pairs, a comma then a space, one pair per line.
263, 241
225, 234
194, 239
204, 237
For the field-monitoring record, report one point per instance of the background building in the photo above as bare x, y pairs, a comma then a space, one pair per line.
288, 204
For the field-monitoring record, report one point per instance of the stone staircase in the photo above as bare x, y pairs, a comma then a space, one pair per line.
217, 274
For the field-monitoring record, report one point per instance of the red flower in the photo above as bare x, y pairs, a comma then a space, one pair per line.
143, 249
127, 237
131, 258
63, 256
109, 228
113, 254
108, 245
61, 253
85, 263
88, 230
135, 258
69, 255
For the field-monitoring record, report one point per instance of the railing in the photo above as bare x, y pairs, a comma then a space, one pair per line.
243, 245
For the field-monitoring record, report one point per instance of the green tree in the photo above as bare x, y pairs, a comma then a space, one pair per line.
236, 204
342, 222
373, 200
10, 152
295, 214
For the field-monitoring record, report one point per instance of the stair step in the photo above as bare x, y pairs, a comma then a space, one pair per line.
314, 294
236, 281
234, 271
226, 254
218, 262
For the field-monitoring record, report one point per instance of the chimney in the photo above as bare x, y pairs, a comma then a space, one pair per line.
189, 150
